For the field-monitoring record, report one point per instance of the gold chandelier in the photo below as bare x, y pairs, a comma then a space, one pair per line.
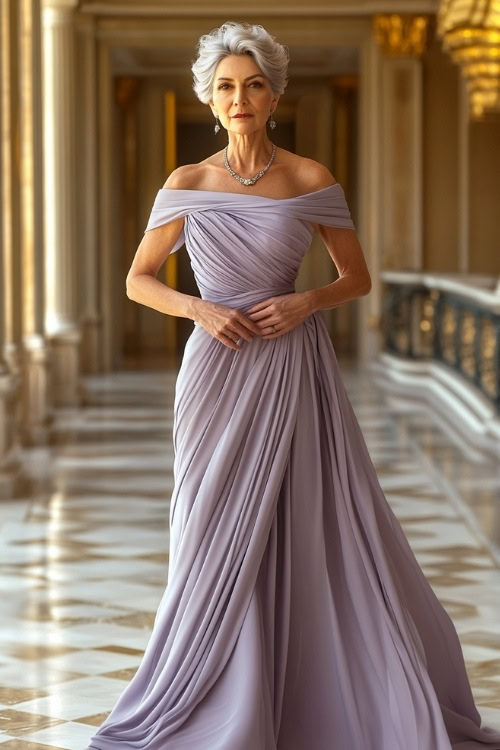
470, 30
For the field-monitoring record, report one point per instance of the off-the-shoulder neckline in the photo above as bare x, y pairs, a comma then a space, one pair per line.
246, 195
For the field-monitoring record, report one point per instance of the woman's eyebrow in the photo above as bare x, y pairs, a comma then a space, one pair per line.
246, 79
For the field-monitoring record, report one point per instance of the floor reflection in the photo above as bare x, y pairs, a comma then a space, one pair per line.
84, 553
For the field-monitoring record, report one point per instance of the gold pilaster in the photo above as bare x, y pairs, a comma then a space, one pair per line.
401, 39
126, 93
10, 185
345, 94
36, 393
87, 193
10, 307
60, 199
171, 267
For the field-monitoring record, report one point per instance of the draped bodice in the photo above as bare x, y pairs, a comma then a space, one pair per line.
243, 247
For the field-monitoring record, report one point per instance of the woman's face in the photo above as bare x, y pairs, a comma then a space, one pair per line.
240, 86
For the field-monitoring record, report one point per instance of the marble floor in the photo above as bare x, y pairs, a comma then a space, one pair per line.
84, 551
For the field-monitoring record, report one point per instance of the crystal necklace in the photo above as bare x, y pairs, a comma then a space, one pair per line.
248, 180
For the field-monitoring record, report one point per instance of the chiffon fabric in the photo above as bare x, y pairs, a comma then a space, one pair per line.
295, 616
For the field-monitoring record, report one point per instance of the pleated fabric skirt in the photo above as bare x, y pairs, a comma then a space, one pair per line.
296, 616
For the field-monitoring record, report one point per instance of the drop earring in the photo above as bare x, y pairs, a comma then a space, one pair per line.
272, 123
217, 125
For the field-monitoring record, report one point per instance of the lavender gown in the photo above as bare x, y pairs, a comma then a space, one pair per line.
296, 616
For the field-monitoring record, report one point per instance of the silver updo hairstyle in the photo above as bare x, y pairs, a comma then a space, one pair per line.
234, 38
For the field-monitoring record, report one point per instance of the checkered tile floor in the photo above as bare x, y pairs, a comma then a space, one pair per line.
84, 552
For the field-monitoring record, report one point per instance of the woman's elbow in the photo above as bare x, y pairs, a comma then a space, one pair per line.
129, 286
366, 286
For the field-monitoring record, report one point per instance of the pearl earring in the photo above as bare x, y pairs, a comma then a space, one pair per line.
272, 123
217, 126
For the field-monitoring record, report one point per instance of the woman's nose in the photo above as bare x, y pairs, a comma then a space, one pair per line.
239, 96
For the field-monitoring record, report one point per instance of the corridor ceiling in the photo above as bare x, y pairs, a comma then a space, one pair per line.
256, 7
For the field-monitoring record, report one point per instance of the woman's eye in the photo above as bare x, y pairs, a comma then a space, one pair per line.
258, 83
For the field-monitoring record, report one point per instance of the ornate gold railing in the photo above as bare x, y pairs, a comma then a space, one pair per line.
452, 319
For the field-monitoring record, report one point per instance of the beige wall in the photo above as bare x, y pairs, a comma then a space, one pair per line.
440, 151
152, 328
484, 170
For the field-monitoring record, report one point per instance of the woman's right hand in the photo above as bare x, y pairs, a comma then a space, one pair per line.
225, 323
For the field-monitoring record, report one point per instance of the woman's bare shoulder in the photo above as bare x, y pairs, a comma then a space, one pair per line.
303, 175
311, 174
186, 177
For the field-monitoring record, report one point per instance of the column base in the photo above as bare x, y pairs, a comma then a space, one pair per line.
90, 345
369, 333
36, 417
65, 349
10, 400
14, 356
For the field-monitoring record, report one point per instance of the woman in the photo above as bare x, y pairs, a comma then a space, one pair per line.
296, 616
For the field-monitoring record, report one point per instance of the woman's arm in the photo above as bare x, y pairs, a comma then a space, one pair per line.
141, 283
342, 244
354, 278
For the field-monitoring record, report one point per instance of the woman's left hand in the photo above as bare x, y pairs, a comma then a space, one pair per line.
285, 312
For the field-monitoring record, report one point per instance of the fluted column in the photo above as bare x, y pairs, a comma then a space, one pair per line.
86, 193
61, 175
37, 405
10, 287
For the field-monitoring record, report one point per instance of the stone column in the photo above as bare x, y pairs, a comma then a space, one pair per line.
10, 287
402, 40
402, 158
61, 176
391, 155
314, 139
37, 405
345, 93
10, 186
87, 193
126, 91
369, 169
107, 207
10, 386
